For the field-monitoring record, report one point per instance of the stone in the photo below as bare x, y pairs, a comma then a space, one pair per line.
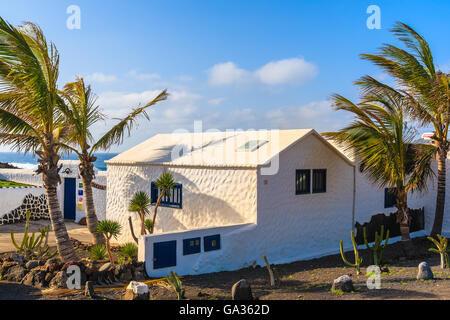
425, 272
36, 278
18, 258
52, 265
137, 291
59, 280
6, 265
105, 267
126, 275
241, 290
89, 289
343, 283
15, 273
82, 221
32, 264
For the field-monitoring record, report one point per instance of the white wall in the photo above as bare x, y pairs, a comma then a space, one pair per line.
25, 176
235, 251
12, 198
294, 226
211, 197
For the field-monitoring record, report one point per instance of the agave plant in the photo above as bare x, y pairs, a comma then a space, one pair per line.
109, 229
98, 252
129, 251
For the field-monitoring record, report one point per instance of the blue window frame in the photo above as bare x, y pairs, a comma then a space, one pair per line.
319, 184
211, 243
175, 200
390, 197
191, 246
302, 181
164, 254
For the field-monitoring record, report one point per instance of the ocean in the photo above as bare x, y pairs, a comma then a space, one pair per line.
28, 161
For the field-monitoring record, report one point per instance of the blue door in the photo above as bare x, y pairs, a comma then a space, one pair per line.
164, 254
69, 198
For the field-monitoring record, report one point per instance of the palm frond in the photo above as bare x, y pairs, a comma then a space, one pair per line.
125, 125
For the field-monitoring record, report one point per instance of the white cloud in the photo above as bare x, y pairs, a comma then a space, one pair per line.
287, 71
100, 77
317, 114
226, 73
294, 71
143, 76
216, 101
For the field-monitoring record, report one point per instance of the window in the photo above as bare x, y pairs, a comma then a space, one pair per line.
302, 181
211, 243
319, 180
252, 145
175, 200
389, 197
191, 246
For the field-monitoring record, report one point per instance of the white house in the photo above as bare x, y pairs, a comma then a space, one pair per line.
284, 194
70, 192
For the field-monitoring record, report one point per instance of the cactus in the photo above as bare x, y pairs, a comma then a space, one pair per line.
376, 251
358, 260
273, 274
441, 249
176, 284
34, 247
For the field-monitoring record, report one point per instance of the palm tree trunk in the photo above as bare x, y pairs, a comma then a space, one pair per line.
404, 221
63, 243
440, 198
141, 214
91, 216
155, 212
108, 248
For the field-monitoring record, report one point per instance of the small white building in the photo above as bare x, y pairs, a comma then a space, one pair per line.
70, 192
285, 194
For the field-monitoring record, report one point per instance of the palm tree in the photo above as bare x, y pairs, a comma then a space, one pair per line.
427, 96
165, 184
82, 114
141, 204
109, 229
30, 120
384, 145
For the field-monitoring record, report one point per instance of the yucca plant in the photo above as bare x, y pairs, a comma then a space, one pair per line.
98, 252
82, 114
109, 229
165, 183
141, 205
148, 225
129, 251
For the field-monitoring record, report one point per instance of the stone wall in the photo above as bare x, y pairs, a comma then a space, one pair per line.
37, 205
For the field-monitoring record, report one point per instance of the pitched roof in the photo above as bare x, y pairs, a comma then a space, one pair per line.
214, 149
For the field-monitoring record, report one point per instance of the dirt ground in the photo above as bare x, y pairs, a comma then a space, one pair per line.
302, 280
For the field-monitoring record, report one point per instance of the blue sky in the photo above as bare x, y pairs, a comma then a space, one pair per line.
232, 64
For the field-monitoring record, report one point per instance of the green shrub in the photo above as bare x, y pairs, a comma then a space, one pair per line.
98, 252
129, 251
